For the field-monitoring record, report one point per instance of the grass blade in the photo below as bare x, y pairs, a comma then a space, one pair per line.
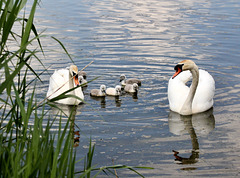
63, 48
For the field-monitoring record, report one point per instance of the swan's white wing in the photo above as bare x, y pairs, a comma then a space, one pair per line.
57, 80
178, 91
203, 99
64, 73
59, 83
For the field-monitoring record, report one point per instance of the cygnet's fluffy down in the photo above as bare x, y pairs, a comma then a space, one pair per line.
114, 91
124, 80
99, 92
83, 73
82, 81
131, 88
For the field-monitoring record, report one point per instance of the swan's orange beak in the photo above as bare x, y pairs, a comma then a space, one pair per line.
178, 69
76, 80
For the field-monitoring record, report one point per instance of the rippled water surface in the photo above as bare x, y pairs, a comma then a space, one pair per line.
146, 39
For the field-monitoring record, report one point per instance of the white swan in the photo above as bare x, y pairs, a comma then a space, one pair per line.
114, 91
199, 97
99, 92
63, 80
131, 88
124, 80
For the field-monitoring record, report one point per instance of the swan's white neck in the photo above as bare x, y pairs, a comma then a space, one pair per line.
187, 106
71, 83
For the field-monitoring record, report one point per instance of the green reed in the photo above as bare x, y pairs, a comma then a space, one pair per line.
27, 148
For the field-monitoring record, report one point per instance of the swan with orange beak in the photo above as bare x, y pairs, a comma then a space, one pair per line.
194, 99
63, 80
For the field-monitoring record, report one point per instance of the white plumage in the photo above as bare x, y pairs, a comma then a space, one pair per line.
131, 88
63, 80
124, 80
82, 81
99, 92
179, 92
83, 73
114, 91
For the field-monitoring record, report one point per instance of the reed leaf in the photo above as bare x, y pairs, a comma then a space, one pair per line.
28, 27
63, 48
7, 20
21, 64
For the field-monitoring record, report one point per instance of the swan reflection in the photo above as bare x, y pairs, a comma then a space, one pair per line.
70, 112
197, 124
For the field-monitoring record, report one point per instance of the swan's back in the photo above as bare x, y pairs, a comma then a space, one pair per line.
58, 78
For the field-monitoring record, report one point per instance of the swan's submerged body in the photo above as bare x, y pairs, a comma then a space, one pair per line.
183, 99
61, 81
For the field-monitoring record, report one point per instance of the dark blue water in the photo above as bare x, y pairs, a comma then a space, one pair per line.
146, 39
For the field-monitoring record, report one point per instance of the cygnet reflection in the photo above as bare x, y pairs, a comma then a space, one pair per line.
102, 101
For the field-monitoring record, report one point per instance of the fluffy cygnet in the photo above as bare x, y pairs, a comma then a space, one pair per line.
82, 81
114, 91
99, 92
83, 73
131, 88
125, 81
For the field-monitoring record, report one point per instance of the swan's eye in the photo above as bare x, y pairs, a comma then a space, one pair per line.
179, 66
178, 69
75, 74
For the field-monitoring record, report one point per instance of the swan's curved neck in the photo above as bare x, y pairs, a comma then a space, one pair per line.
187, 106
71, 83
